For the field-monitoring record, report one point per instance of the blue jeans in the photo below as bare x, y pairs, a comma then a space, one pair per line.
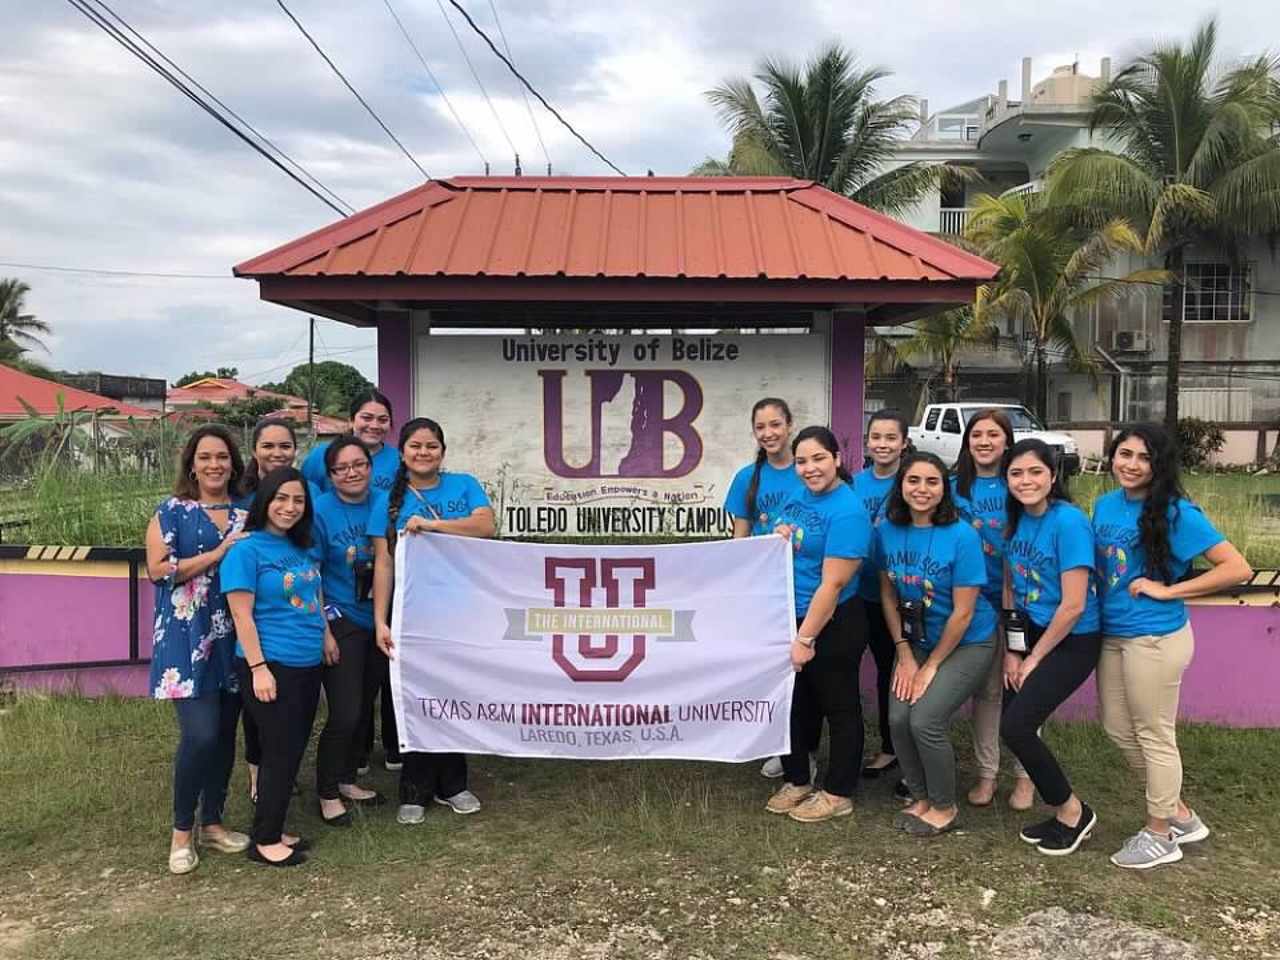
206, 755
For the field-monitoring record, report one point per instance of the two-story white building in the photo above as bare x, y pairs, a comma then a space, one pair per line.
1231, 336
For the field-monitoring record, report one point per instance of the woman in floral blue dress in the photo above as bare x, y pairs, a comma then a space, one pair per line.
194, 638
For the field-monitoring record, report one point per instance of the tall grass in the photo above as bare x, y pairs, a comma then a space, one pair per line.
108, 508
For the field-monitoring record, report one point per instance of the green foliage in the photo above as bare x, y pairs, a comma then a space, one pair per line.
1197, 441
822, 122
942, 337
19, 331
335, 384
243, 413
222, 373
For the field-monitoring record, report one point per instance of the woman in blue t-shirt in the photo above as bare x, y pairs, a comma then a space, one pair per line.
1146, 534
760, 488
370, 421
350, 678
830, 538
982, 497
272, 583
1052, 631
886, 442
424, 499
944, 631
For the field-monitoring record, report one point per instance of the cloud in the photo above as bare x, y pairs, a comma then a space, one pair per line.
104, 165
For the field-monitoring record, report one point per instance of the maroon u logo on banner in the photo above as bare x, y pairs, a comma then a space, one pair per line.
594, 574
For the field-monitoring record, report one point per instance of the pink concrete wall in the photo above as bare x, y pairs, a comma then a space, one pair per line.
67, 619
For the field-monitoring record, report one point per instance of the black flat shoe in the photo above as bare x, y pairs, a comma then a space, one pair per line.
874, 773
302, 846
377, 800
294, 859
901, 791
341, 820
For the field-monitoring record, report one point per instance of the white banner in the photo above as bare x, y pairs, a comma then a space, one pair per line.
593, 652
632, 437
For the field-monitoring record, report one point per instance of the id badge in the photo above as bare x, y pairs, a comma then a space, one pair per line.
1015, 631
331, 612
911, 614
363, 572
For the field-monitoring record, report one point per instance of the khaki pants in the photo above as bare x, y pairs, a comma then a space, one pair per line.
1139, 680
984, 717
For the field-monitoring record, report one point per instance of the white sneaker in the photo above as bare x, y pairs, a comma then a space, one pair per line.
772, 768
411, 813
464, 802
393, 765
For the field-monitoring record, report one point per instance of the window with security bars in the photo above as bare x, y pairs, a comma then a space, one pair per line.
1214, 293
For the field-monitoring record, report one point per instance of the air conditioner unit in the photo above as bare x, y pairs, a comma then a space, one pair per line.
1130, 341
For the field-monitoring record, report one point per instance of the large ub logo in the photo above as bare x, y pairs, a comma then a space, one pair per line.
600, 623
649, 424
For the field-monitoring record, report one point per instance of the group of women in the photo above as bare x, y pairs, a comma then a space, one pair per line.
273, 583
987, 586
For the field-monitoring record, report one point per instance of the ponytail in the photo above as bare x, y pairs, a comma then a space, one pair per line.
753, 487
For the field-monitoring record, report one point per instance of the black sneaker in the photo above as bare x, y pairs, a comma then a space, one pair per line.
1038, 831
1063, 840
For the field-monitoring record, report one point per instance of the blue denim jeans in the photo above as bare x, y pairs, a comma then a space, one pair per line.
206, 754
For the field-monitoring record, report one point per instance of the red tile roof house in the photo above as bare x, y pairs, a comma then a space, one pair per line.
191, 399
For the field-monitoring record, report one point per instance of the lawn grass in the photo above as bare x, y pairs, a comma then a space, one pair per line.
596, 860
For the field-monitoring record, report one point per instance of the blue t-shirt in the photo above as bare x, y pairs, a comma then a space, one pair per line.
385, 464
285, 582
341, 532
777, 486
1040, 551
830, 524
455, 497
872, 493
986, 509
1121, 559
926, 564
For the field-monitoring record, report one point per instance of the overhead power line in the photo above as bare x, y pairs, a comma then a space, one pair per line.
443, 96
117, 35
541, 99
476, 76
355, 93
523, 93
117, 273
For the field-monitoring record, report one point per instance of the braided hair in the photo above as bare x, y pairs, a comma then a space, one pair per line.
753, 488
252, 473
395, 499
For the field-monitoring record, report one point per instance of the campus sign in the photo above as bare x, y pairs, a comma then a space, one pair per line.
677, 651
612, 436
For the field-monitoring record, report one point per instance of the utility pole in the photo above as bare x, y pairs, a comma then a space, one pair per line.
311, 379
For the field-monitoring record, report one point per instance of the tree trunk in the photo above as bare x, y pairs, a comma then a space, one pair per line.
1042, 383
1174, 263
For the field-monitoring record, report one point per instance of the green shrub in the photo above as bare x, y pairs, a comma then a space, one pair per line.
1198, 440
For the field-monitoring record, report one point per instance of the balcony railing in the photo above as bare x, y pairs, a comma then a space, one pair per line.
952, 220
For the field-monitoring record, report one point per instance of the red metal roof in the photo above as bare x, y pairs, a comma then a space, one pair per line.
769, 228
221, 389
16, 386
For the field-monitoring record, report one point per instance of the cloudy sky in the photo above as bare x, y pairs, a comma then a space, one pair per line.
104, 166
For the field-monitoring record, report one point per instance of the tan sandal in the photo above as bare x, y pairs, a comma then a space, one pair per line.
183, 860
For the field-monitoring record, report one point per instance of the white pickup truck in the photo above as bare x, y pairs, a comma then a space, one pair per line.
942, 428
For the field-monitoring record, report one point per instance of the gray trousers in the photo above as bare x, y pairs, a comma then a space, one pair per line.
922, 734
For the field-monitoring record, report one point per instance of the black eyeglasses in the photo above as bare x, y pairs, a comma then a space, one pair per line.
342, 469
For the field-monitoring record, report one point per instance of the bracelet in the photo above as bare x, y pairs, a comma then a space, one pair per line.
255, 666
805, 642
902, 643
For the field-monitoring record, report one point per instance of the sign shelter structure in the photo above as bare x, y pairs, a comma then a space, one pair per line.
615, 331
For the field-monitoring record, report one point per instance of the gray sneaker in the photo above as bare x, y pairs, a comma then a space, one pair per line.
1188, 831
411, 813
1145, 850
464, 802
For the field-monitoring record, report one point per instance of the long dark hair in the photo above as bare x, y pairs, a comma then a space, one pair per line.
897, 510
753, 487
1057, 491
966, 468
395, 499
371, 395
827, 440
300, 533
251, 473
1165, 490
185, 486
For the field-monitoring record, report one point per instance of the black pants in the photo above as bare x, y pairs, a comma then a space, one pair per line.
252, 740
427, 775
886, 657
339, 751
378, 688
284, 726
1059, 675
827, 689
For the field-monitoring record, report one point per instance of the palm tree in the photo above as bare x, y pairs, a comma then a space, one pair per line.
18, 330
822, 122
1199, 164
1050, 269
943, 337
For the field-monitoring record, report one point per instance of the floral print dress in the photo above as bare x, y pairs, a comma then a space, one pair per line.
194, 637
